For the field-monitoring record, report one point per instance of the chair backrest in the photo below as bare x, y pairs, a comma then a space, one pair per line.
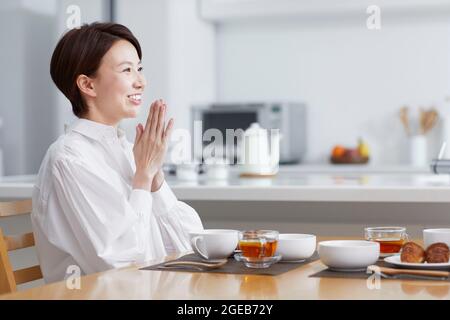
9, 279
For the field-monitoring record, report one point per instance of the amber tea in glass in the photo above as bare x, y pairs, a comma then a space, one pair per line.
258, 243
391, 239
257, 249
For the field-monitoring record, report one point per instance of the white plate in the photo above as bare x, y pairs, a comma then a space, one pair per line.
395, 260
384, 255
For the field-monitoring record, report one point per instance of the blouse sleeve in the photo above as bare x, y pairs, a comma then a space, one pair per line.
176, 219
114, 228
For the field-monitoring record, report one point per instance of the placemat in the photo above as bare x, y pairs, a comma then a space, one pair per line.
235, 267
327, 273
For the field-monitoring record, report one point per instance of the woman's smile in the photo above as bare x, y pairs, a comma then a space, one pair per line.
135, 99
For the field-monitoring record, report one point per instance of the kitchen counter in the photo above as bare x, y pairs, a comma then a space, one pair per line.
320, 187
298, 183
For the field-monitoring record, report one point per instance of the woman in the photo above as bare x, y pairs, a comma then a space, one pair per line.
101, 202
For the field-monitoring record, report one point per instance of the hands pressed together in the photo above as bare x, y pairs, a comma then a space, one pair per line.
150, 147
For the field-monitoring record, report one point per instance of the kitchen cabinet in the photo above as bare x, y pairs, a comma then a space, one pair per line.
226, 10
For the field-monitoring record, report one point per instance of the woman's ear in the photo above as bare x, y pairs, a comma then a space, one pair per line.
86, 85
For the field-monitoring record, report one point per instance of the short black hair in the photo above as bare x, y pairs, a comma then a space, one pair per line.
80, 51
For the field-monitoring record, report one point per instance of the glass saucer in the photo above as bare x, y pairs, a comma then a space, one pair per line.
257, 262
292, 261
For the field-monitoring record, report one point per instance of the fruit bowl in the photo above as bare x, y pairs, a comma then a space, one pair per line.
345, 155
349, 160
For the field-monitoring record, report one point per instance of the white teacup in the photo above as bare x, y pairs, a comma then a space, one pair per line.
431, 236
214, 243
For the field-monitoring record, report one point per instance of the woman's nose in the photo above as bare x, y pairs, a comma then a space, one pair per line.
140, 82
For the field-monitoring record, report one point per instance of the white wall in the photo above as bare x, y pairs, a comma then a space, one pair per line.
192, 66
178, 55
32, 108
24, 85
11, 106
148, 22
91, 11
353, 79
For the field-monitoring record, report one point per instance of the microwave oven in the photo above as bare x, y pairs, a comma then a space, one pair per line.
288, 117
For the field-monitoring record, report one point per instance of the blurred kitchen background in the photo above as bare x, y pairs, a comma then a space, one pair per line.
342, 85
352, 80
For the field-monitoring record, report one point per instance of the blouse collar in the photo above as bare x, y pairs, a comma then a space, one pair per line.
96, 131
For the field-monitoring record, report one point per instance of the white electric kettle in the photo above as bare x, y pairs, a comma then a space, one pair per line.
256, 158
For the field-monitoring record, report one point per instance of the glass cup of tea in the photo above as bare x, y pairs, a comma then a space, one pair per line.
391, 239
258, 248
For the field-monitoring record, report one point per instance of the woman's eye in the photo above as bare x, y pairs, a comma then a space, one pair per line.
127, 70
140, 69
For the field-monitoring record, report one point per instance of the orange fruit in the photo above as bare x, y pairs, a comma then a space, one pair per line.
338, 151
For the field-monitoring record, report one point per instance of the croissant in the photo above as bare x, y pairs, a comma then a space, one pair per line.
437, 253
412, 253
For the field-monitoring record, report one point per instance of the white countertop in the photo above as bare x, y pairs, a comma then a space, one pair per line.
298, 183
353, 168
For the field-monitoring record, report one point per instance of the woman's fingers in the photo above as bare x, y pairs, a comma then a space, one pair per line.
136, 139
139, 131
168, 130
150, 117
155, 118
161, 119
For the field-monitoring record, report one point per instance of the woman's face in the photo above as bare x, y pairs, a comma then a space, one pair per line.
118, 84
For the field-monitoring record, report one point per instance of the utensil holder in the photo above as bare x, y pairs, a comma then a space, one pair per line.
418, 150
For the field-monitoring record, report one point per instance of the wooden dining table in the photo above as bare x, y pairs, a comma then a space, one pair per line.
133, 283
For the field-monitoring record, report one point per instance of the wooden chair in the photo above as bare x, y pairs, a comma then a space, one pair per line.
9, 279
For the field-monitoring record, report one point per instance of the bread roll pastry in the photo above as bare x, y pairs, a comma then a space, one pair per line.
437, 253
412, 253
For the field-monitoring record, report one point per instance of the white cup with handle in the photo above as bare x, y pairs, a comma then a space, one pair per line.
431, 236
213, 244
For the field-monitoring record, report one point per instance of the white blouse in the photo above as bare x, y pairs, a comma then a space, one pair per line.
85, 212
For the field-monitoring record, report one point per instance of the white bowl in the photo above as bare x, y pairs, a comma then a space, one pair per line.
431, 236
348, 255
187, 171
296, 246
217, 171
